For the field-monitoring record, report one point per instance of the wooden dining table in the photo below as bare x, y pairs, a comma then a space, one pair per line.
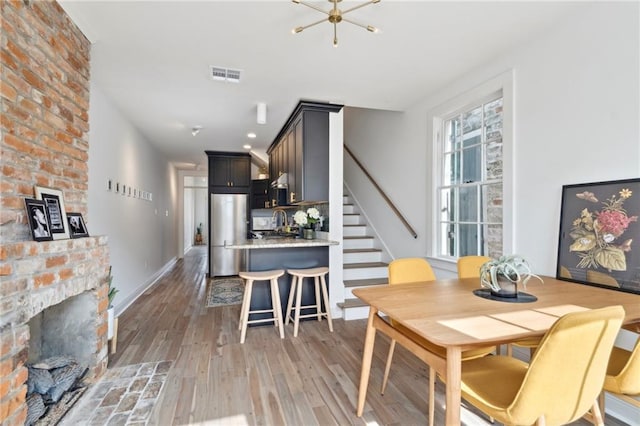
449, 314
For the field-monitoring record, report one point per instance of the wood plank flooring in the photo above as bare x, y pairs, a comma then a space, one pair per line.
308, 380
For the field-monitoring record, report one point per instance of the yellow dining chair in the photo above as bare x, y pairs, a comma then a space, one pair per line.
469, 266
601, 278
560, 384
409, 270
623, 375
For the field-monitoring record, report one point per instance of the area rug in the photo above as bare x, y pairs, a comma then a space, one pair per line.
224, 291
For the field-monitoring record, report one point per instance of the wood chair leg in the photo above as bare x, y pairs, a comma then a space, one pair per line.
292, 292
388, 366
296, 321
245, 310
597, 415
325, 297
277, 307
509, 350
432, 395
316, 284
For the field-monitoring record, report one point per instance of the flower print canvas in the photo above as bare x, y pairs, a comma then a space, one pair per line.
600, 234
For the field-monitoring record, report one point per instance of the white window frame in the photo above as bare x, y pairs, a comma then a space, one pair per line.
436, 117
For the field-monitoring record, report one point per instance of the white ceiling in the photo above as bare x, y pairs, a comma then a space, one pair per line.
152, 59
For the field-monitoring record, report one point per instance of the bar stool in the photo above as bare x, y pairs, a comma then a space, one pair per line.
276, 308
297, 275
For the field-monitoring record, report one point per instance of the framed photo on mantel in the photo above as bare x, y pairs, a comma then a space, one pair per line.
55, 206
600, 233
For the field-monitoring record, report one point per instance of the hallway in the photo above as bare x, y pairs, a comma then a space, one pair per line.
308, 380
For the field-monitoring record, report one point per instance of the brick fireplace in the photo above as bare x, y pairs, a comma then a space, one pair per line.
44, 95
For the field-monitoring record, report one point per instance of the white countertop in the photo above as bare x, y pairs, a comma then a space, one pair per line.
267, 243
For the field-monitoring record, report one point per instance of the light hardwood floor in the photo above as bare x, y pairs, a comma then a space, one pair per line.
308, 380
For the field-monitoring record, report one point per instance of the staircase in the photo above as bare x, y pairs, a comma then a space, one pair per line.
363, 263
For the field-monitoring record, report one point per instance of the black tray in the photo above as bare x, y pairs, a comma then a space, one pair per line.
520, 298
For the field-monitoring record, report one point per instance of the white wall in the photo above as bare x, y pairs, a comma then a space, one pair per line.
189, 226
576, 119
142, 234
576, 104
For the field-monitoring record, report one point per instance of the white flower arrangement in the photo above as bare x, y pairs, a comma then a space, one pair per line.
308, 218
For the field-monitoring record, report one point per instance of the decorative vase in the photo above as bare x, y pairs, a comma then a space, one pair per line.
110, 320
508, 288
309, 233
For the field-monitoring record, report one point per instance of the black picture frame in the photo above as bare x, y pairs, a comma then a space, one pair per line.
599, 225
38, 218
57, 215
77, 227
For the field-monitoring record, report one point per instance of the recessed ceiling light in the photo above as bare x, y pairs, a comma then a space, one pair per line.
251, 135
246, 146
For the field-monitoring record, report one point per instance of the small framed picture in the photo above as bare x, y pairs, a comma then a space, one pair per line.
38, 217
55, 206
129, 192
77, 228
117, 187
135, 193
124, 189
109, 185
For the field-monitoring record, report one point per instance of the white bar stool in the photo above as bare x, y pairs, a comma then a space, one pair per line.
297, 276
276, 308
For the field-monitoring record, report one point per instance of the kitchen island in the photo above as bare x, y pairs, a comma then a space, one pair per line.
283, 253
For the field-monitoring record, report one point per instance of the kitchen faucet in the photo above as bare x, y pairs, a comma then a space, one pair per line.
282, 213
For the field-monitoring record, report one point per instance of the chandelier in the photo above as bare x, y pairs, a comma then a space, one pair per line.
335, 16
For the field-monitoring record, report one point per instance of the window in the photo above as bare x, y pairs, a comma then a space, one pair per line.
470, 187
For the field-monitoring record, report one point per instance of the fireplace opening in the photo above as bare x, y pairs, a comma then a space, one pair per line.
62, 349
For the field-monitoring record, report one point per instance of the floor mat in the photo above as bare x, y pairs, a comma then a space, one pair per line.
224, 291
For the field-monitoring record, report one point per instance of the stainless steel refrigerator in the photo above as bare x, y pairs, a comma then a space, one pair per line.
228, 223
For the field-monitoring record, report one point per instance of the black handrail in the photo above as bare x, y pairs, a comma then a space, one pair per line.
389, 202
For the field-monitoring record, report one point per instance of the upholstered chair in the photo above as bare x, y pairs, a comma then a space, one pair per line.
560, 384
602, 278
623, 375
469, 266
409, 270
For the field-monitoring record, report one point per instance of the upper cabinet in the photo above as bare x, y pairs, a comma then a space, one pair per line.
301, 150
229, 172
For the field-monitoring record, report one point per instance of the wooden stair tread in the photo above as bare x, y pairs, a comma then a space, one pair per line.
352, 303
356, 237
362, 250
355, 224
365, 265
366, 282
350, 214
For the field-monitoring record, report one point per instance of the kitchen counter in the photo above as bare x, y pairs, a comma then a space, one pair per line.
283, 253
276, 243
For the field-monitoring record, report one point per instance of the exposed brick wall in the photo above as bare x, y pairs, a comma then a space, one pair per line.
44, 95
45, 102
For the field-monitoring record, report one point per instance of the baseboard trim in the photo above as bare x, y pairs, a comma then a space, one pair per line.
620, 409
148, 284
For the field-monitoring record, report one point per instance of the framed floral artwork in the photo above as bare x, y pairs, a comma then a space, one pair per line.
598, 229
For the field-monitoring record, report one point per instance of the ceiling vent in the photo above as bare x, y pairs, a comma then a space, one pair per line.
225, 74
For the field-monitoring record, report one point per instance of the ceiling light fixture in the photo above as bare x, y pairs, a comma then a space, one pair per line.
195, 130
335, 16
246, 146
251, 135
261, 113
